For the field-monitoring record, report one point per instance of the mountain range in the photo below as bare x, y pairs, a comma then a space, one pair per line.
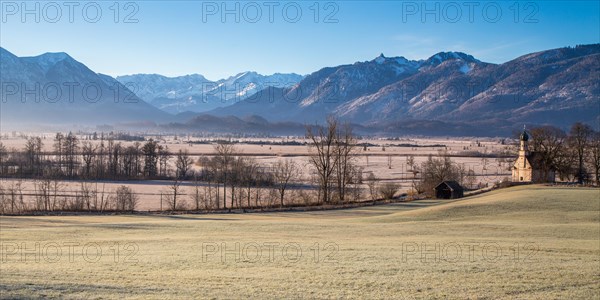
197, 94
557, 87
447, 93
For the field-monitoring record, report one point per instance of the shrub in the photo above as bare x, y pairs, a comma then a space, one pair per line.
126, 199
388, 190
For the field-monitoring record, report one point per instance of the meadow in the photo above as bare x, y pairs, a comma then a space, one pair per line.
525, 242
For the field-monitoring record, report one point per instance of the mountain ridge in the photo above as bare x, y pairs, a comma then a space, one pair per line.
447, 87
54, 88
391, 95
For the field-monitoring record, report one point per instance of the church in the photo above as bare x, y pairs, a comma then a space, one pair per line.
527, 167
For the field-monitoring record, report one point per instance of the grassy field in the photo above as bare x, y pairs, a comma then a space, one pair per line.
531, 242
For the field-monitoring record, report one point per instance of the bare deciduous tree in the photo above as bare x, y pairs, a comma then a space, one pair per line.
284, 172
172, 195
388, 190
150, 152
163, 157
224, 155
579, 137
345, 146
372, 185
436, 170
594, 155
323, 157
126, 199
88, 152
3, 158
183, 164
548, 142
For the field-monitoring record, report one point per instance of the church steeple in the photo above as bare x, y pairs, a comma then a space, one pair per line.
524, 139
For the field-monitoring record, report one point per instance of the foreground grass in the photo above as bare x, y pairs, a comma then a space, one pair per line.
523, 242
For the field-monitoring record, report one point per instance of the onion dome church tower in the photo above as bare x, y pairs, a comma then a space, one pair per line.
527, 167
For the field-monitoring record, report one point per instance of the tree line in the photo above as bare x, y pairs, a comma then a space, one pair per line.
573, 155
71, 158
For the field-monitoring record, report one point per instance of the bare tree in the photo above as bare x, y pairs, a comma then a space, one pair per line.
183, 164
126, 199
224, 156
71, 146
594, 155
388, 190
13, 198
128, 162
284, 172
549, 142
58, 149
88, 152
3, 198
3, 158
197, 196
250, 177
579, 137
372, 185
469, 179
150, 151
100, 159
410, 162
33, 152
436, 170
46, 192
345, 146
163, 157
323, 157
173, 193
137, 161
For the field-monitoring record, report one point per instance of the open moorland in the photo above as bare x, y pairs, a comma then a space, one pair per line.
526, 242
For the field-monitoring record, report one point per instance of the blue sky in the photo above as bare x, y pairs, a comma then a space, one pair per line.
183, 37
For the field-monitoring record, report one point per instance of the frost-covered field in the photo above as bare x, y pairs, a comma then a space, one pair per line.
528, 242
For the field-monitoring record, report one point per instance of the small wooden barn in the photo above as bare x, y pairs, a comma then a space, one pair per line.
448, 190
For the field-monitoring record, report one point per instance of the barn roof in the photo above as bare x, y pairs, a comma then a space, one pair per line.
453, 185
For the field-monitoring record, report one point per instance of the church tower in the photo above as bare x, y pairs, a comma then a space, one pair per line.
528, 166
522, 171
524, 148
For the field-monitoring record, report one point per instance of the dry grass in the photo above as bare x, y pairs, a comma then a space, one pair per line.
557, 232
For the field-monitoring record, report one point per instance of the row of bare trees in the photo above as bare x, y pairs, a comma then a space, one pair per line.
52, 195
72, 159
575, 156
234, 177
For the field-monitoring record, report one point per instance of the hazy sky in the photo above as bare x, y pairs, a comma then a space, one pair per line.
183, 37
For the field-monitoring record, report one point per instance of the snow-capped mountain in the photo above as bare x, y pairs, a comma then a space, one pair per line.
197, 94
556, 87
55, 88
